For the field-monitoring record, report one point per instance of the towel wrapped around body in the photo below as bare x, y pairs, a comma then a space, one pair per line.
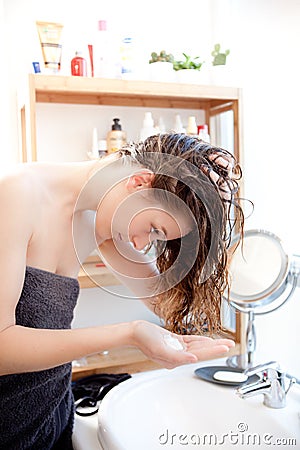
36, 408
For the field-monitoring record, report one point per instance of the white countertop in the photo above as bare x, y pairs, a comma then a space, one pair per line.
85, 433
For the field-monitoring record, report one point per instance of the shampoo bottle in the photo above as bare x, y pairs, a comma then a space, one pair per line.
116, 138
148, 128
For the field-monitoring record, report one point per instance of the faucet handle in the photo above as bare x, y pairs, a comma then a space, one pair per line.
263, 368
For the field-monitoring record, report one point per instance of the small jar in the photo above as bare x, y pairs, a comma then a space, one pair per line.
78, 65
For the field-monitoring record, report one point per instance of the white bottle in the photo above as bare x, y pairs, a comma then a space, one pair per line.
102, 147
95, 143
104, 52
148, 128
203, 133
192, 129
161, 127
93, 154
127, 57
178, 127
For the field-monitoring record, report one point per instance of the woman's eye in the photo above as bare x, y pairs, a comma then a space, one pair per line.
154, 230
157, 234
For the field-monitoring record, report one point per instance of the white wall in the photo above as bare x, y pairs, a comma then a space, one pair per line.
263, 36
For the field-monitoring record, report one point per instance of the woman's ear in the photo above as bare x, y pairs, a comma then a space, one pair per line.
140, 180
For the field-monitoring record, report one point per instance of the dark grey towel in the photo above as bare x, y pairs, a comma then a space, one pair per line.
37, 407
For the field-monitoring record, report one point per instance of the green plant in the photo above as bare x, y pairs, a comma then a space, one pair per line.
219, 58
163, 56
188, 63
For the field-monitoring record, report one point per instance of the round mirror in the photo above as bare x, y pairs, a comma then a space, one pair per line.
258, 269
260, 273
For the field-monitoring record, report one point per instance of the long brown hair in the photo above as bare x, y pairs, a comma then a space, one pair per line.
209, 189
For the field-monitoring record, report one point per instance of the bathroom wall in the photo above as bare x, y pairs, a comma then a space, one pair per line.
263, 36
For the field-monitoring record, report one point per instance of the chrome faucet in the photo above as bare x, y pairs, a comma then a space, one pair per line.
272, 384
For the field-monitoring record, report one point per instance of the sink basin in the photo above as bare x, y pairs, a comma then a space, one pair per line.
175, 409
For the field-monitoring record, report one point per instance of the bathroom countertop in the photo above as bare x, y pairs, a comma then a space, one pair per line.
85, 433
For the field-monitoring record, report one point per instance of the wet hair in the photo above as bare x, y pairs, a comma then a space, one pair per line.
195, 174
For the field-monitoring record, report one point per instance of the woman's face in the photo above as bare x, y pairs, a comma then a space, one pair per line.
151, 224
131, 213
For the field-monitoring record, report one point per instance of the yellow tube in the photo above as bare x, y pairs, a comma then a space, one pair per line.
50, 39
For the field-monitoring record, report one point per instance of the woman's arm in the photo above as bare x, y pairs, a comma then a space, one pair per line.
134, 269
25, 349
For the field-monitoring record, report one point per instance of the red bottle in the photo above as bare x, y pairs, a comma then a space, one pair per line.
78, 66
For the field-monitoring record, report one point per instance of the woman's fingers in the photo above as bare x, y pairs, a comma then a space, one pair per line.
208, 341
205, 353
192, 355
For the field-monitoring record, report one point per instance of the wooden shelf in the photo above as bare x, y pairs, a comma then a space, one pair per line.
41, 88
101, 91
92, 276
117, 360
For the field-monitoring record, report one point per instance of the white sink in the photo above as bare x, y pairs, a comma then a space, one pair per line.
175, 409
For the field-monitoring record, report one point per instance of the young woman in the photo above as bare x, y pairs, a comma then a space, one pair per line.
172, 192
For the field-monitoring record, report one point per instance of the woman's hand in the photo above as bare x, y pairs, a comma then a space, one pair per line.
163, 347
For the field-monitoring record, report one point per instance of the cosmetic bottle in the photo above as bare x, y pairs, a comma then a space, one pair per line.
148, 128
102, 148
161, 127
101, 51
178, 127
93, 153
127, 57
78, 65
95, 143
192, 129
116, 138
203, 133
106, 51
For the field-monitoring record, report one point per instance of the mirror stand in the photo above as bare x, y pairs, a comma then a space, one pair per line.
246, 360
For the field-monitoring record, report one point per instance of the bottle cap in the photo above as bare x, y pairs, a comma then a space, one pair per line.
203, 127
116, 125
102, 25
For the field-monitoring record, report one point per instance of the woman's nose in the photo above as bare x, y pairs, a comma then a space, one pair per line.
140, 242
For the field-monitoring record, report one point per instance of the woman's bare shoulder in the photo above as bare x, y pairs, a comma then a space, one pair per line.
17, 187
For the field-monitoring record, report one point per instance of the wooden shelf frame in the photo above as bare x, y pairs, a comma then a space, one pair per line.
130, 93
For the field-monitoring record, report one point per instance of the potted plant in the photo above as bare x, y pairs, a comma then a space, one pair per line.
163, 56
219, 58
161, 66
187, 70
189, 63
219, 71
